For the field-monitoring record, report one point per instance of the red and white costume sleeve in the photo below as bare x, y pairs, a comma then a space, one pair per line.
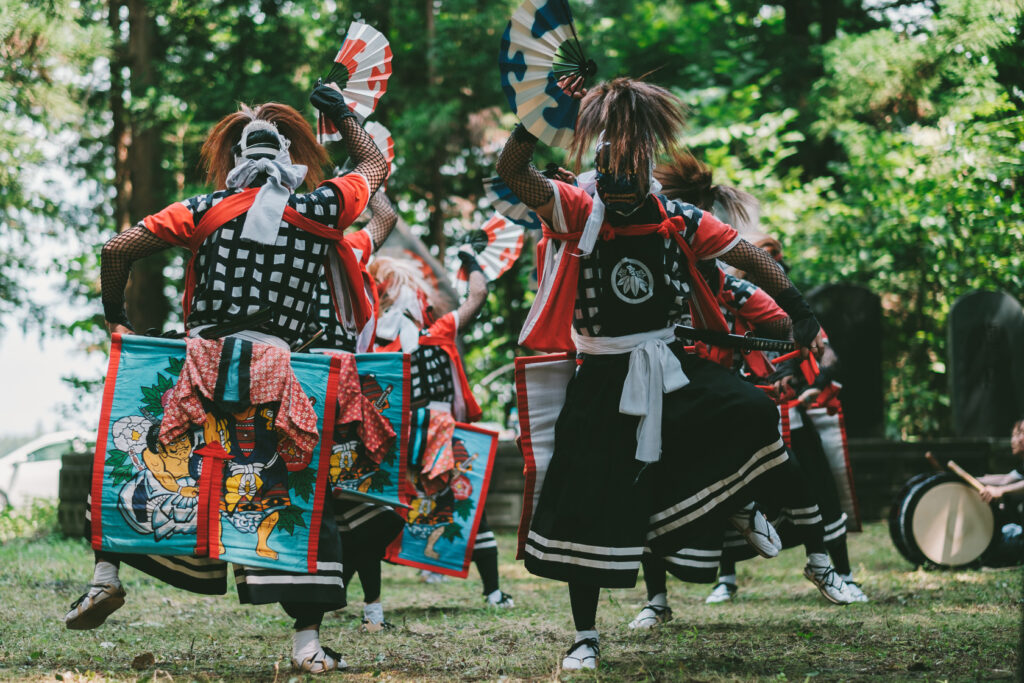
548, 324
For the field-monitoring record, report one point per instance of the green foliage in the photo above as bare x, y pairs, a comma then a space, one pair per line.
289, 518
152, 395
45, 50
123, 469
463, 508
174, 365
452, 531
302, 483
36, 520
883, 143
379, 480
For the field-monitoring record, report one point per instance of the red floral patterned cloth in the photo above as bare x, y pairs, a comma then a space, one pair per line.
374, 429
271, 380
439, 458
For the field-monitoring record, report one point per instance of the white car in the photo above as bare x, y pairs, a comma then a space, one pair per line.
33, 470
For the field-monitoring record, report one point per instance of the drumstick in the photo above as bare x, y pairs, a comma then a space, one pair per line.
960, 472
936, 465
786, 356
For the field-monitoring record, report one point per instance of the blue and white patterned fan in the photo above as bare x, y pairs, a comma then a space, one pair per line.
503, 201
539, 47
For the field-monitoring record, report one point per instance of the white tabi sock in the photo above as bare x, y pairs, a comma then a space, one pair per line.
305, 644
374, 613
817, 560
494, 597
583, 635
727, 578
105, 573
659, 600
847, 578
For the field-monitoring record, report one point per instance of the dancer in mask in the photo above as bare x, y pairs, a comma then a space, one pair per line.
644, 423
811, 491
257, 245
409, 323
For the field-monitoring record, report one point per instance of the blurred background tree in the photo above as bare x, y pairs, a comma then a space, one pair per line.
883, 137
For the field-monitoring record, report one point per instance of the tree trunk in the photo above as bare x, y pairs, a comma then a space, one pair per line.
119, 135
435, 221
140, 187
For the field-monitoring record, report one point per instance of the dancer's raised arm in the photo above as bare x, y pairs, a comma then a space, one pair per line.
515, 166
383, 220
369, 162
763, 271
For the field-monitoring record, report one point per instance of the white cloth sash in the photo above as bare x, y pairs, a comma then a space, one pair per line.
263, 219
653, 371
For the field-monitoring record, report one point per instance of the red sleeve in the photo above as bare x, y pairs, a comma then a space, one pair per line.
353, 195
712, 238
362, 244
444, 328
174, 225
572, 208
760, 308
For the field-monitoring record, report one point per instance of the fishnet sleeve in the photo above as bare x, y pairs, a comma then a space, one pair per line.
383, 220
779, 328
517, 170
369, 162
116, 260
761, 269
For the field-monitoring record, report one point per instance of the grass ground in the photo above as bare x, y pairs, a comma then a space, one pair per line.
923, 626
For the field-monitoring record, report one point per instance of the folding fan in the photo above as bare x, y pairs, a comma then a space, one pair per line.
539, 47
503, 201
497, 244
360, 71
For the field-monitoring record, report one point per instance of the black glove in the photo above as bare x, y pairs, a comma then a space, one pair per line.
805, 326
520, 134
116, 316
331, 103
469, 261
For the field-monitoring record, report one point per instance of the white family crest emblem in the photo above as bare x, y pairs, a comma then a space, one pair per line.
632, 281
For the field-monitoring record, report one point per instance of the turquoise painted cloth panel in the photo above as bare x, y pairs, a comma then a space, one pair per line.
441, 528
384, 378
242, 505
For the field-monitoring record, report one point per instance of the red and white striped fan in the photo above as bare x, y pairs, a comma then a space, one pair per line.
385, 143
497, 244
361, 71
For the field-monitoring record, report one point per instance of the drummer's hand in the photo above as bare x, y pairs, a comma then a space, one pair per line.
817, 346
572, 86
990, 493
784, 387
118, 328
809, 396
565, 175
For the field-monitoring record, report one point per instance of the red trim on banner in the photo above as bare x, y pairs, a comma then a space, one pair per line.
406, 436
526, 448
213, 508
213, 455
526, 443
99, 460
404, 485
784, 408
483, 493
324, 463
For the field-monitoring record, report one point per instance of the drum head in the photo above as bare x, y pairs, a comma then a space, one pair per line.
951, 525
